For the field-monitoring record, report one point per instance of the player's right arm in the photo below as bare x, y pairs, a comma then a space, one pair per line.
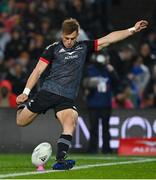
120, 35
32, 80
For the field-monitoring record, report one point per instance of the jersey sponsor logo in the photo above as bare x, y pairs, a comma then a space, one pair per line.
61, 50
71, 57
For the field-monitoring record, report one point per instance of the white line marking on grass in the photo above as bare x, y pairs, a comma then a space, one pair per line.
112, 164
76, 168
106, 157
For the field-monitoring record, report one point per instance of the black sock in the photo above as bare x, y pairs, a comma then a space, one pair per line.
63, 145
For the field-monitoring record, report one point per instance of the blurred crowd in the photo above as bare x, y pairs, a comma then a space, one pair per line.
27, 27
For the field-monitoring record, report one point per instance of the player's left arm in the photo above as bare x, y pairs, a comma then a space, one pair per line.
121, 34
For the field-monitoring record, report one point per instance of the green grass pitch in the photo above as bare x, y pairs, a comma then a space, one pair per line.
18, 166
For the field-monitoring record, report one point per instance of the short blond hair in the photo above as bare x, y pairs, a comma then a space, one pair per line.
70, 25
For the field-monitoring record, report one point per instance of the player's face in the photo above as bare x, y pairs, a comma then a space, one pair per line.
69, 39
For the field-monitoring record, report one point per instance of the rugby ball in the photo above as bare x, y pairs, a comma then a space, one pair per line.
41, 154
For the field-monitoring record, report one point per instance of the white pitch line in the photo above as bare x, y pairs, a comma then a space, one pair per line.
76, 168
112, 164
106, 158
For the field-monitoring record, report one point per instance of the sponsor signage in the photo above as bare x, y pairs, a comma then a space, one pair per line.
123, 124
137, 146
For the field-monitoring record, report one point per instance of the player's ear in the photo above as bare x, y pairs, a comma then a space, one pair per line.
62, 35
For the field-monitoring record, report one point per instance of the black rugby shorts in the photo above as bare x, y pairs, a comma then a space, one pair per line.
45, 100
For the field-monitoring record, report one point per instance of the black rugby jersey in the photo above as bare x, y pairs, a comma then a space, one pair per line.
66, 66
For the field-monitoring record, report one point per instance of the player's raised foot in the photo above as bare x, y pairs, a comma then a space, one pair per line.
64, 165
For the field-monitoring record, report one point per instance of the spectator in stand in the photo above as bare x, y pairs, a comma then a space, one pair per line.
15, 46
47, 31
154, 14
17, 77
51, 9
149, 59
10, 14
12, 8
139, 76
36, 47
77, 9
4, 38
122, 60
24, 59
7, 98
3, 69
122, 97
149, 94
30, 19
101, 10
150, 38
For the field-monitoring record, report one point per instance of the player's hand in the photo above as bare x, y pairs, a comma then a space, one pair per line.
140, 25
21, 98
